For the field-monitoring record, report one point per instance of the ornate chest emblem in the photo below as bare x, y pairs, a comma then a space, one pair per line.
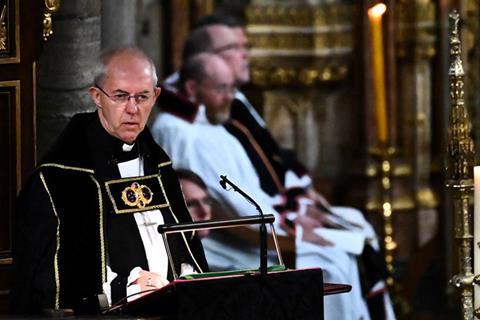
137, 195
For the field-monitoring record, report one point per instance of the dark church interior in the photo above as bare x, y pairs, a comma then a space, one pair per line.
383, 118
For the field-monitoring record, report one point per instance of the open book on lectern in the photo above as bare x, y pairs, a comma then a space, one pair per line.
166, 229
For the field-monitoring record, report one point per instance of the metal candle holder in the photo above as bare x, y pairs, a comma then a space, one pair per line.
385, 156
459, 171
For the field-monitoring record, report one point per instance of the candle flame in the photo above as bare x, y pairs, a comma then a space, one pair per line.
377, 10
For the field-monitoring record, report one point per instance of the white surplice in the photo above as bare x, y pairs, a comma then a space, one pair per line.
210, 151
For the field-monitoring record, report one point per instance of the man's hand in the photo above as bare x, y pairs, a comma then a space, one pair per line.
309, 224
321, 217
150, 280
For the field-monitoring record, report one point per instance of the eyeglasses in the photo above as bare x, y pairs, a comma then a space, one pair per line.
123, 97
196, 203
220, 88
224, 89
232, 46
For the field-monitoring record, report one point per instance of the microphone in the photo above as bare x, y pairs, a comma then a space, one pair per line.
223, 183
263, 230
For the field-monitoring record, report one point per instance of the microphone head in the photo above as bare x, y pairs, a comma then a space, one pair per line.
223, 182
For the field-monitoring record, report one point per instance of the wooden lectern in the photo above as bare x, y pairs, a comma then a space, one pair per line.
247, 295
291, 294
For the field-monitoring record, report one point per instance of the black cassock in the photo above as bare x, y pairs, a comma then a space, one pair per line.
71, 218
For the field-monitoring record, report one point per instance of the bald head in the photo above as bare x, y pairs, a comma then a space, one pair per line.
207, 79
120, 57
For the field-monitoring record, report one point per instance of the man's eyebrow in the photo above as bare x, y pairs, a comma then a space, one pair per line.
126, 92
120, 91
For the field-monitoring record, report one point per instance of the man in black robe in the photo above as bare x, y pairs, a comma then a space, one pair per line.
87, 218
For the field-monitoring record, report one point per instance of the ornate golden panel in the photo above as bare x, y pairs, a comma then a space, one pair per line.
9, 31
299, 45
416, 29
10, 173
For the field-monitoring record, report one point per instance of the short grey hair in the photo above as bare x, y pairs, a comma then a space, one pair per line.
107, 55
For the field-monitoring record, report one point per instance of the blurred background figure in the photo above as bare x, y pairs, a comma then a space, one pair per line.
192, 133
223, 251
198, 201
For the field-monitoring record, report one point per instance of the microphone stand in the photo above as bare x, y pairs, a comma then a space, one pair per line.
263, 229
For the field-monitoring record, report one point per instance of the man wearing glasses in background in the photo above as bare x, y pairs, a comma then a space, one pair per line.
86, 229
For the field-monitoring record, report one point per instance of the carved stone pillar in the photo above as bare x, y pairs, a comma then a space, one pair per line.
119, 22
66, 67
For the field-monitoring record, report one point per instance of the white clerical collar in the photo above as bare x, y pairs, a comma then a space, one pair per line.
201, 116
128, 147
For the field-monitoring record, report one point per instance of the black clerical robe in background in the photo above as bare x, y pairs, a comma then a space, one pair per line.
71, 219
269, 159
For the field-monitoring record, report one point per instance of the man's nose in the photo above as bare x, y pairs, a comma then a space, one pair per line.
132, 106
204, 210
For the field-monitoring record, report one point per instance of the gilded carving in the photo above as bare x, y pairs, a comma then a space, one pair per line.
281, 35
272, 76
51, 6
416, 29
3, 29
300, 15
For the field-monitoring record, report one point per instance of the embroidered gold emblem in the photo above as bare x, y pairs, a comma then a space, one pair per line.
137, 195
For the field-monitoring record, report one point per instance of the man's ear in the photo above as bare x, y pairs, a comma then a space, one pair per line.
95, 95
158, 90
191, 88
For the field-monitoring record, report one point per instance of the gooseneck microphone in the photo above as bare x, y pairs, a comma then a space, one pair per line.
223, 183
263, 230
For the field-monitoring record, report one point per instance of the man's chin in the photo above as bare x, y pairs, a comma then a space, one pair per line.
221, 118
129, 137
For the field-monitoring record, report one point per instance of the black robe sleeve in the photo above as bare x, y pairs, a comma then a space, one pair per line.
34, 245
280, 158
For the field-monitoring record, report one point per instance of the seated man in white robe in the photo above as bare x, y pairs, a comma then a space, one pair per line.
197, 140
278, 169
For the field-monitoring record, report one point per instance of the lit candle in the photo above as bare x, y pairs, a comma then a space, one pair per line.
375, 16
476, 233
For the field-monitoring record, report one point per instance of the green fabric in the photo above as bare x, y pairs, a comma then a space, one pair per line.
274, 268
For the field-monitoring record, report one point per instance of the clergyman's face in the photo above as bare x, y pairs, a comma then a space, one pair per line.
232, 45
216, 91
128, 77
198, 203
